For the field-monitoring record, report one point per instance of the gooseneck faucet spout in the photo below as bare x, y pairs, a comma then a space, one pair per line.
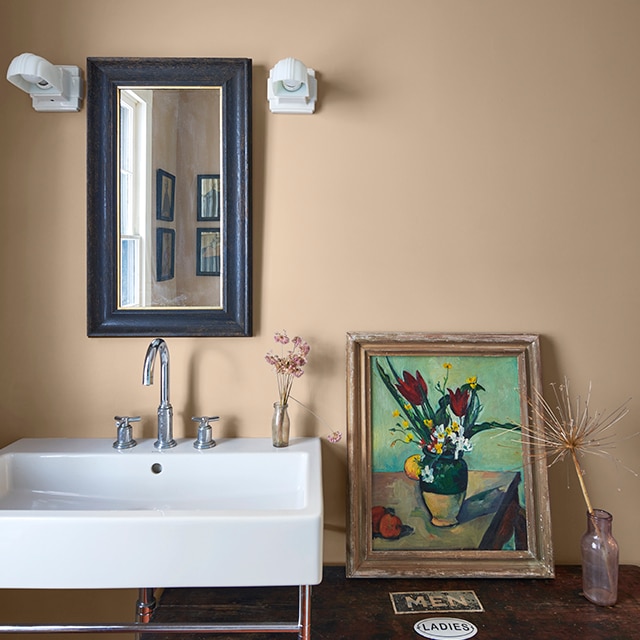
165, 410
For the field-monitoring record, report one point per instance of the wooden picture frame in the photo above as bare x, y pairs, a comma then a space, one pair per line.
421, 408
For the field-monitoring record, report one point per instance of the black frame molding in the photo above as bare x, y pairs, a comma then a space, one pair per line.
104, 76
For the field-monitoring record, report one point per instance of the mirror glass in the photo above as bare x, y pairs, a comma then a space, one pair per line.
169, 211
168, 196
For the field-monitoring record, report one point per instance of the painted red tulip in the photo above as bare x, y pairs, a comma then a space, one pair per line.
459, 401
413, 389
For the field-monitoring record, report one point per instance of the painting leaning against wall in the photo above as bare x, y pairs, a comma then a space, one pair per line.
438, 456
431, 468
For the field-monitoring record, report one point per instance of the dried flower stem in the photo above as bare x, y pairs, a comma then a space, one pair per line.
334, 436
581, 480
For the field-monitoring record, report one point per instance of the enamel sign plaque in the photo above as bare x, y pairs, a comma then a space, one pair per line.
445, 629
435, 602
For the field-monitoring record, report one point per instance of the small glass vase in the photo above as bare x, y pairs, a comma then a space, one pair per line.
280, 425
599, 551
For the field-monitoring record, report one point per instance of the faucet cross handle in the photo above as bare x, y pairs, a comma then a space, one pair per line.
125, 432
204, 439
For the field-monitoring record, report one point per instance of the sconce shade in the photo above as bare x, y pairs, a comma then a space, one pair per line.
292, 87
51, 87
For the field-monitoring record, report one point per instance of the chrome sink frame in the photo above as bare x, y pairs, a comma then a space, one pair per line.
145, 606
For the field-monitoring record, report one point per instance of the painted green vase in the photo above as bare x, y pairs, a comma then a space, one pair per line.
444, 495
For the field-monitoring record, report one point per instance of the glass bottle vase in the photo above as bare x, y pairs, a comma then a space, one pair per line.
599, 552
280, 425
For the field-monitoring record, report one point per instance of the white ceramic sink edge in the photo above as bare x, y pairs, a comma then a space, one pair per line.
76, 513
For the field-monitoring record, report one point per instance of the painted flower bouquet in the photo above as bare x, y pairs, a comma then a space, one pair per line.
443, 425
441, 421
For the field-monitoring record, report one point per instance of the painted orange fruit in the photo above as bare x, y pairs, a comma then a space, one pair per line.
412, 466
390, 526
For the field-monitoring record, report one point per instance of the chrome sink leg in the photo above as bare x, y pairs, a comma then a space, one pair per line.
304, 612
144, 607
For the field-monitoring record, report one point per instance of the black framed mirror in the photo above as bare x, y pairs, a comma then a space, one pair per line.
168, 197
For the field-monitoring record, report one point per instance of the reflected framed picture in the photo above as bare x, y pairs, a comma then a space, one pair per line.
165, 195
442, 482
207, 252
165, 253
209, 197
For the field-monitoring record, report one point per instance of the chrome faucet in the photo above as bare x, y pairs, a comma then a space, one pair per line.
165, 410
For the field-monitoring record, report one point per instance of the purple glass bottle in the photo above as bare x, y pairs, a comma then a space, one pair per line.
600, 552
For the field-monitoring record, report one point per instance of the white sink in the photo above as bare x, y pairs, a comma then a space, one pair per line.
76, 513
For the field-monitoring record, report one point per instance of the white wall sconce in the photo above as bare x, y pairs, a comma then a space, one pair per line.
292, 87
51, 87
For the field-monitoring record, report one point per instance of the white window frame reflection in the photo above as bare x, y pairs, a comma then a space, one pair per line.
133, 205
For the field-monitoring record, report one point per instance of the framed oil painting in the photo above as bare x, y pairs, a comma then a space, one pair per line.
442, 482
207, 252
165, 254
208, 198
165, 195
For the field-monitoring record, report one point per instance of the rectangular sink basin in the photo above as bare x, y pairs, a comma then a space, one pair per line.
77, 514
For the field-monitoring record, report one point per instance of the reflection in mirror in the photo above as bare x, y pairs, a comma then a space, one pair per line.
168, 163
169, 170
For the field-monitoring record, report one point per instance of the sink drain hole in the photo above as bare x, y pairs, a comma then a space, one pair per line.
156, 468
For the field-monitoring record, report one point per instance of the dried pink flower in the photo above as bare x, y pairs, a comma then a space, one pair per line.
281, 337
289, 365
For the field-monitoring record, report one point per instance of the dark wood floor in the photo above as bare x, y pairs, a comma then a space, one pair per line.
359, 608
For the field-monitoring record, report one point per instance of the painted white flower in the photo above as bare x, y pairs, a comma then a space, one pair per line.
462, 444
427, 474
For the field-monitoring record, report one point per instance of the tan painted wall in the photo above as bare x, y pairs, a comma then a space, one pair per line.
473, 166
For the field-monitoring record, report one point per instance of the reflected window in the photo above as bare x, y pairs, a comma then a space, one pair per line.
133, 204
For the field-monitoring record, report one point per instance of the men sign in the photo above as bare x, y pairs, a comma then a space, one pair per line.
435, 601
